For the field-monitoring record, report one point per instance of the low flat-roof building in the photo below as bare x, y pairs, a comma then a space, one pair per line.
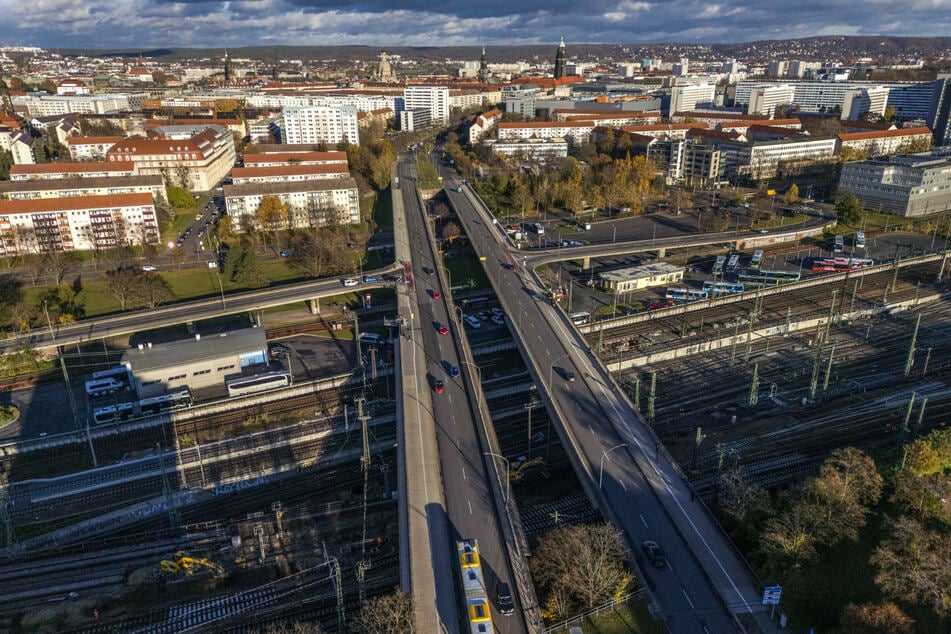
636, 278
548, 148
200, 362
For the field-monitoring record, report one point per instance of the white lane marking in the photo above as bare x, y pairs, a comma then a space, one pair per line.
470, 513
592, 431
622, 485
643, 521
688, 599
464, 474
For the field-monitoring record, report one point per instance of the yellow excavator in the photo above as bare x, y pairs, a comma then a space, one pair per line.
181, 562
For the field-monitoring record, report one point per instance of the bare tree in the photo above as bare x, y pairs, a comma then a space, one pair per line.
388, 614
123, 283
847, 485
871, 618
59, 264
293, 628
740, 499
153, 289
585, 561
450, 231
914, 564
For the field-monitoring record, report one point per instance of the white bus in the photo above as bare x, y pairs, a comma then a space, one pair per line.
757, 258
839, 244
733, 263
860, 240
580, 318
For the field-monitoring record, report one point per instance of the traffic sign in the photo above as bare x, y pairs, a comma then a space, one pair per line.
771, 595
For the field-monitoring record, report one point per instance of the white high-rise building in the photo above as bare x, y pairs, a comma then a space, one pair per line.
432, 98
765, 99
684, 98
320, 124
862, 100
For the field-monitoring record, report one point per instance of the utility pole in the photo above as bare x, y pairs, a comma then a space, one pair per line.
924, 370
825, 382
911, 348
754, 387
921, 418
365, 465
173, 519
736, 332
338, 586
813, 383
903, 431
696, 450
831, 314
650, 399
637, 392
278, 509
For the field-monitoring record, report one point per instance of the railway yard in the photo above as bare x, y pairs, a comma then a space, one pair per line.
281, 506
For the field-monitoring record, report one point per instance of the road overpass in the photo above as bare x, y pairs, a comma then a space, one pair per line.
445, 434
707, 587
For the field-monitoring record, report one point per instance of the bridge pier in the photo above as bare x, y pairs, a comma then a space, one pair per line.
661, 253
314, 305
586, 262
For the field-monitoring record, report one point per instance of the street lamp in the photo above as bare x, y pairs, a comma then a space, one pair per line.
604, 454
551, 369
479, 375
448, 275
508, 469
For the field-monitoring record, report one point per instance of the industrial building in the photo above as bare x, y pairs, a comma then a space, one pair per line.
203, 361
636, 278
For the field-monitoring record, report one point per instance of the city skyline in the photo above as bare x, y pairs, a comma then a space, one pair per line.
99, 24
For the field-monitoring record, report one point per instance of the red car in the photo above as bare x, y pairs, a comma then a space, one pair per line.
443, 329
438, 386
435, 294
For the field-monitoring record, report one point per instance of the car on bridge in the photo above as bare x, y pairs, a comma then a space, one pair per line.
443, 329
438, 386
350, 282
655, 554
435, 294
453, 371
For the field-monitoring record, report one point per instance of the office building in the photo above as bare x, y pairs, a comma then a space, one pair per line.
764, 100
912, 185
194, 157
520, 103
688, 97
320, 124
868, 100
636, 278
434, 99
417, 119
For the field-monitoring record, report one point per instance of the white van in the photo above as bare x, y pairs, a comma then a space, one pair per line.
472, 321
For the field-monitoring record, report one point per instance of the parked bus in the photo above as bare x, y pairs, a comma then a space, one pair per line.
757, 258
860, 240
686, 294
734, 262
717, 289
580, 318
839, 244
718, 265
112, 413
176, 399
104, 387
768, 278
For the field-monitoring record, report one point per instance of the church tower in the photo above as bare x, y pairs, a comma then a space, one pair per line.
228, 72
483, 75
561, 61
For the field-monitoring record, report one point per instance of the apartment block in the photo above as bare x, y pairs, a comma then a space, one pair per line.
320, 124
435, 99
35, 189
309, 203
77, 223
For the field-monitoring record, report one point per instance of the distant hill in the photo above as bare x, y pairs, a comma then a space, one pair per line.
832, 47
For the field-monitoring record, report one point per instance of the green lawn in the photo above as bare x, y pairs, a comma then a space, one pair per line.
383, 210
426, 175
633, 618
465, 268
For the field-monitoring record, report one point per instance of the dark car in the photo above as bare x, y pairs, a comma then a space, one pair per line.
503, 599
443, 329
438, 386
286, 254
566, 374
453, 371
655, 554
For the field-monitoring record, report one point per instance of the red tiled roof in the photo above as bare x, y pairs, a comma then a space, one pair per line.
71, 168
289, 170
660, 127
74, 203
294, 157
884, 134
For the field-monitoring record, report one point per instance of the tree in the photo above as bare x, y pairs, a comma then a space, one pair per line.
789, 538
59, 264
271, 214
914, 564
450, 231
870, 618
584, 562
889, 113
849, 209
178, 197
241, 266
791, 197
388, 614
740, 499
154, 289
123, 284
847, 485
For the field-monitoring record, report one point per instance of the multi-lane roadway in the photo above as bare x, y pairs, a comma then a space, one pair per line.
705, 587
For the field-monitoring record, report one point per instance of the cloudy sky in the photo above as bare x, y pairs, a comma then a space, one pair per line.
167, 23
